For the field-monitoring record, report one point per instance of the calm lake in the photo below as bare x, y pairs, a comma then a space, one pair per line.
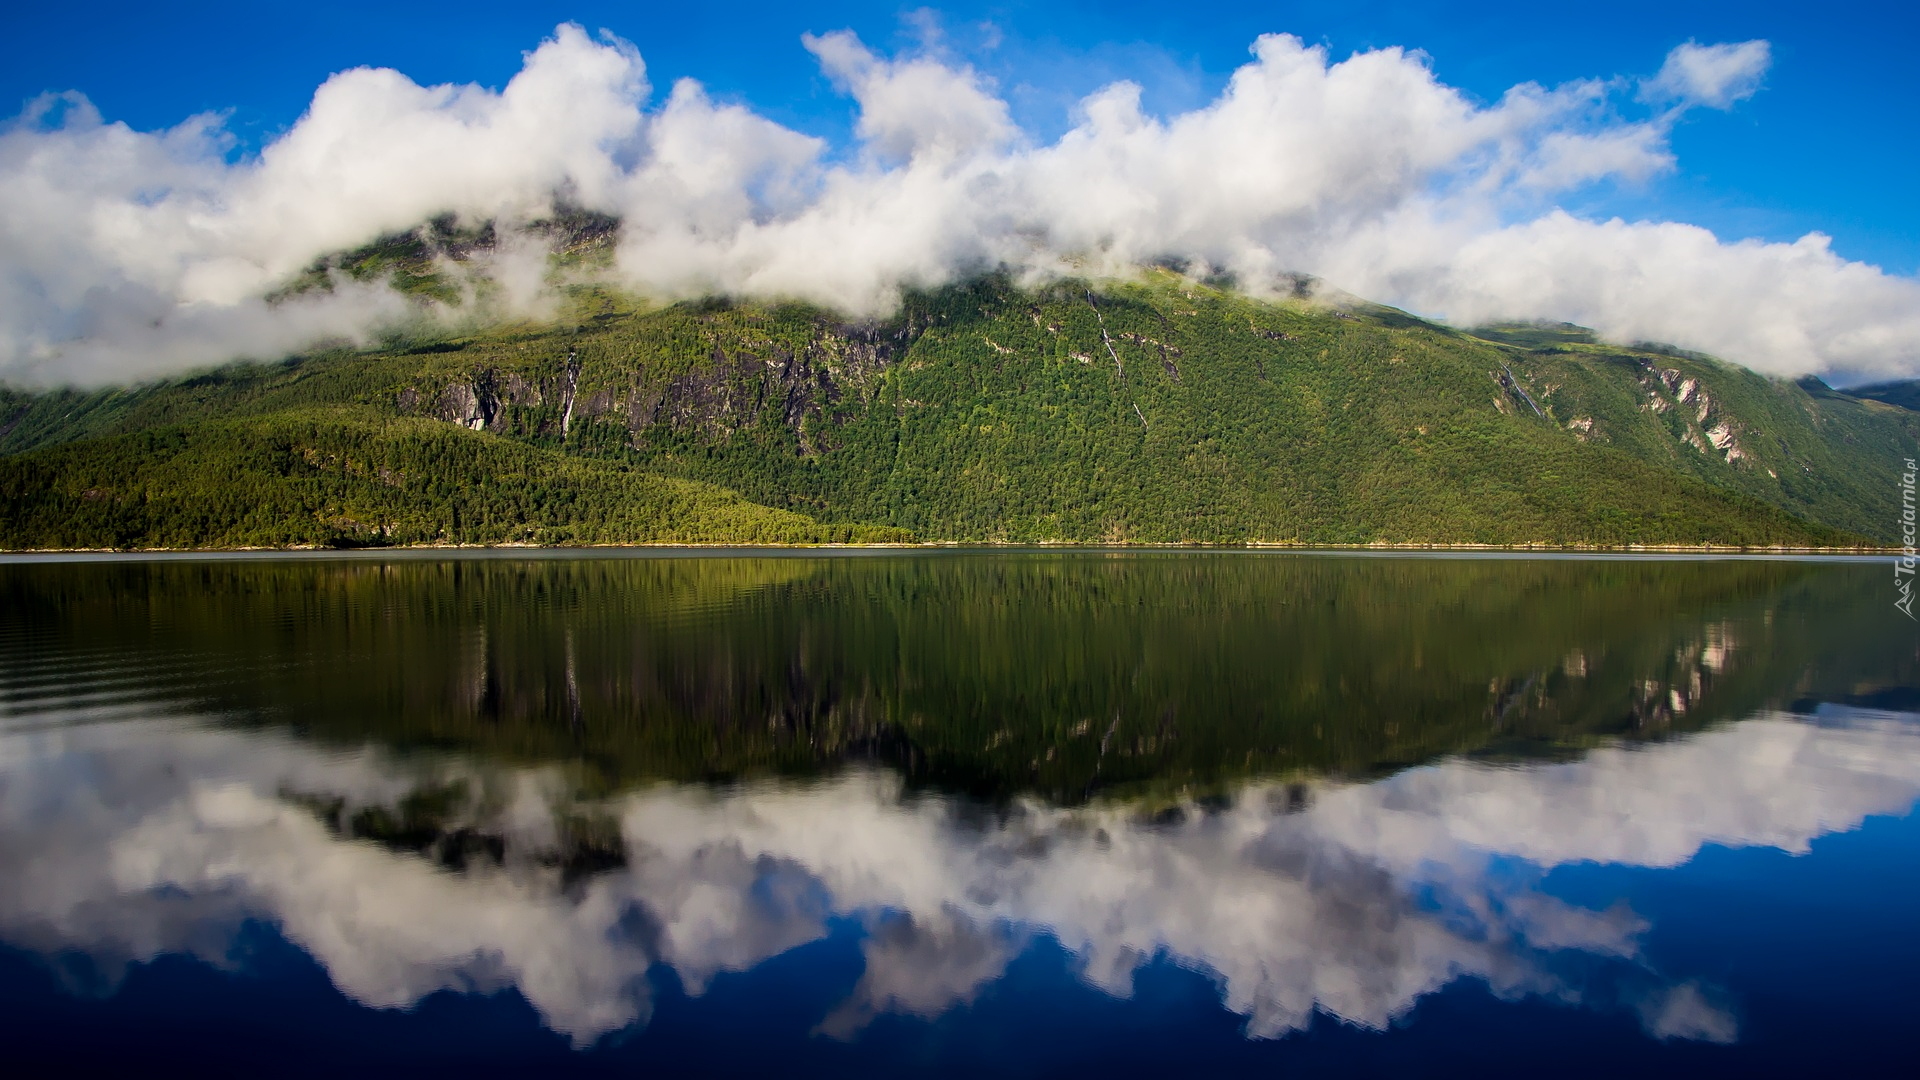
957, 813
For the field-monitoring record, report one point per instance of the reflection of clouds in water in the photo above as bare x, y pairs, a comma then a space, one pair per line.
388, 930
130, 842
1684, 1012
1775, 784
125, 842
922, 967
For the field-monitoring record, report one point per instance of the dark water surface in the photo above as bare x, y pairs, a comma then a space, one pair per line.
962, 813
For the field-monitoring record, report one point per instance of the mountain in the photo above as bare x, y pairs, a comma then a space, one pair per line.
1905, 393
1155, 409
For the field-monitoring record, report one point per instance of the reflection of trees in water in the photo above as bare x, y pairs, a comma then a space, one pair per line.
1064, 674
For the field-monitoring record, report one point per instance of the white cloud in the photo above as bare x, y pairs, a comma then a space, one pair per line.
126, 841
130, 254
1715, 76
911, 108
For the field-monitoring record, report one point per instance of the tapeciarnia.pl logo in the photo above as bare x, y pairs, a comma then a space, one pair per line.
1903, 564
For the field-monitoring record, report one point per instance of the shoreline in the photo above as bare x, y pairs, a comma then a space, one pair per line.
23, 555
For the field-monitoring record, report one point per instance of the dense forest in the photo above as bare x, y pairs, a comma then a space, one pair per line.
349, 477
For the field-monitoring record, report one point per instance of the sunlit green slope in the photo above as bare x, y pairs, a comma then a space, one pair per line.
347, 475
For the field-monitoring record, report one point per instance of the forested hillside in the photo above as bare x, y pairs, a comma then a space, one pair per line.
1157, 409
347, 476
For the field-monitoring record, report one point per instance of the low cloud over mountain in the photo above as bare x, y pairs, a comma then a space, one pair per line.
129, 254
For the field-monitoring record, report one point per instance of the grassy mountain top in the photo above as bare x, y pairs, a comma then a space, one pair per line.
445, 258
1536, 335
1157, 409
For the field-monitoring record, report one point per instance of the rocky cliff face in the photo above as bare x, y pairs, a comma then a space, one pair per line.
802, 388
741, 381
1710, 432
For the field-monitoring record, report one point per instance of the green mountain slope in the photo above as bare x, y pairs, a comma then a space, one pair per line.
1154, 410
1819, 453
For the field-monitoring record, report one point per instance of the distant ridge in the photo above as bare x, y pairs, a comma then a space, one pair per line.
1905, 393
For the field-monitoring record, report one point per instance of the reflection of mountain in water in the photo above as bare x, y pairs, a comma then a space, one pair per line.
120, 842
1064, 675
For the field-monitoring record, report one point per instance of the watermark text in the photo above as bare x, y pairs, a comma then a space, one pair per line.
1903, 564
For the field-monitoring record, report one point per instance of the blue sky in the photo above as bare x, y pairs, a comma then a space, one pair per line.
1827, 145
